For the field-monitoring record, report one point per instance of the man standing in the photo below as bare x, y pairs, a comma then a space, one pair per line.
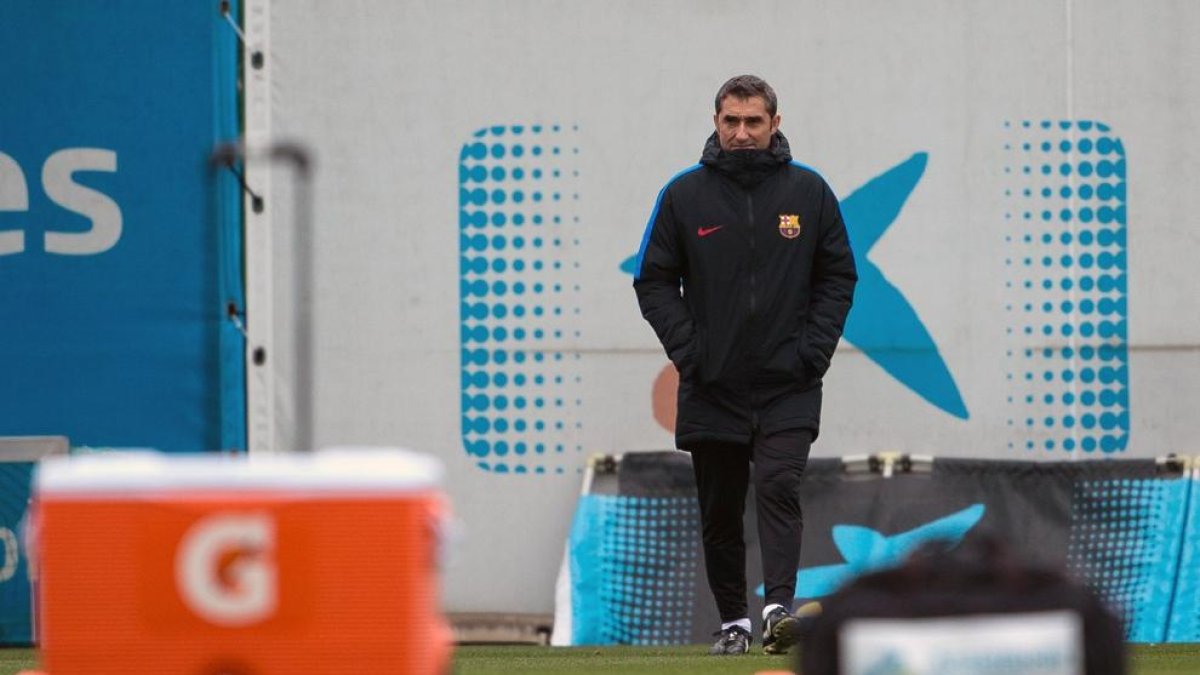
746, 275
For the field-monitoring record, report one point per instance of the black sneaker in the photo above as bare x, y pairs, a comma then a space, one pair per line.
732, 641
781, 630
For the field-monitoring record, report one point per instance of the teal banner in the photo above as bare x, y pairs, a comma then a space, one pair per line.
16, 602
120, 250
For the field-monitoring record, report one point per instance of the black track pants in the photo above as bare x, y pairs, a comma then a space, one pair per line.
723, 474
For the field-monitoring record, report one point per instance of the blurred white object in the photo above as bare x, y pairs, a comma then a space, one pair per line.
342, 468
1041, 643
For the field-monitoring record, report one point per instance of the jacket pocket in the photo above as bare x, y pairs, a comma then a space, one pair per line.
690, 366
806, 374
782, 365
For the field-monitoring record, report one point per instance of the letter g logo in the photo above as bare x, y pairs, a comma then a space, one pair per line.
225, 569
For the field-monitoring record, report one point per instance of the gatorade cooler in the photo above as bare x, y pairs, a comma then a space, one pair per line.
212, 565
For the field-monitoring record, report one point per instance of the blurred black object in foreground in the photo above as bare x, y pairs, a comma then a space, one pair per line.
995, 606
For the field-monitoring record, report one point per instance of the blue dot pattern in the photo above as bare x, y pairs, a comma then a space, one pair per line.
519, 289
1124, 541
634, 567
1066, 288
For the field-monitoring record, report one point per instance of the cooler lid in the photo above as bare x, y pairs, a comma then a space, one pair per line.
343, 469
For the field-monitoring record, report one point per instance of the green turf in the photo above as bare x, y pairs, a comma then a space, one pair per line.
16, 660
1175, 659
1144, 660
655, 660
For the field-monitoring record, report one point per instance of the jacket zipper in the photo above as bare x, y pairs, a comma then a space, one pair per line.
753, 301
753, 280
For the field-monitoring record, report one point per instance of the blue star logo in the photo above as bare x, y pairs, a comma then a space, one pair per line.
883, 324
867, 550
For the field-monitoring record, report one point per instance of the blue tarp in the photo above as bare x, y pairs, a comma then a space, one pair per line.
16, 602
120, 251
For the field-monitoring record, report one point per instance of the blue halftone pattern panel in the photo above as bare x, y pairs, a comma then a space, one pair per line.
520, 282
634, 562
1184, 625
1067, 281
1125, 541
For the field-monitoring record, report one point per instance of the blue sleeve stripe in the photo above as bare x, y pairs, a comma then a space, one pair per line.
637, 268
815, 173
807, 168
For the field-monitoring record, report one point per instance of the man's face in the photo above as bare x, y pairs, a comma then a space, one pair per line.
743, 123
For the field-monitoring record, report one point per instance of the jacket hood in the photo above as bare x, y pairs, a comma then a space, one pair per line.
747, 167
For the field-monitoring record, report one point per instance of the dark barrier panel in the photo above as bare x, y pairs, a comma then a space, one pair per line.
637, 573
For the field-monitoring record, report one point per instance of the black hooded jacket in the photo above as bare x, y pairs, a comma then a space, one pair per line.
757, 246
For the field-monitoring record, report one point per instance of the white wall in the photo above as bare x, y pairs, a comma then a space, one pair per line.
388, 93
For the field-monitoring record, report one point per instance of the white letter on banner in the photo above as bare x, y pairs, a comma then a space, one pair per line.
97, 206
14, 196
225, 569
12, 554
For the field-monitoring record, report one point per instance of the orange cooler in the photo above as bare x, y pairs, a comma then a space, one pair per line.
211, 565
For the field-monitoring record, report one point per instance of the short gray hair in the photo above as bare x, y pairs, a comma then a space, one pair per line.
746, 86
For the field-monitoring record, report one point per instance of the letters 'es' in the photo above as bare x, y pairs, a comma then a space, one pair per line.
61, 188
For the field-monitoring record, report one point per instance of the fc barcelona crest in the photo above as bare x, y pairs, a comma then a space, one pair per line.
789, 226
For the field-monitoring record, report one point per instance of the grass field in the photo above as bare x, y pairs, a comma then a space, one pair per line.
1172, 659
